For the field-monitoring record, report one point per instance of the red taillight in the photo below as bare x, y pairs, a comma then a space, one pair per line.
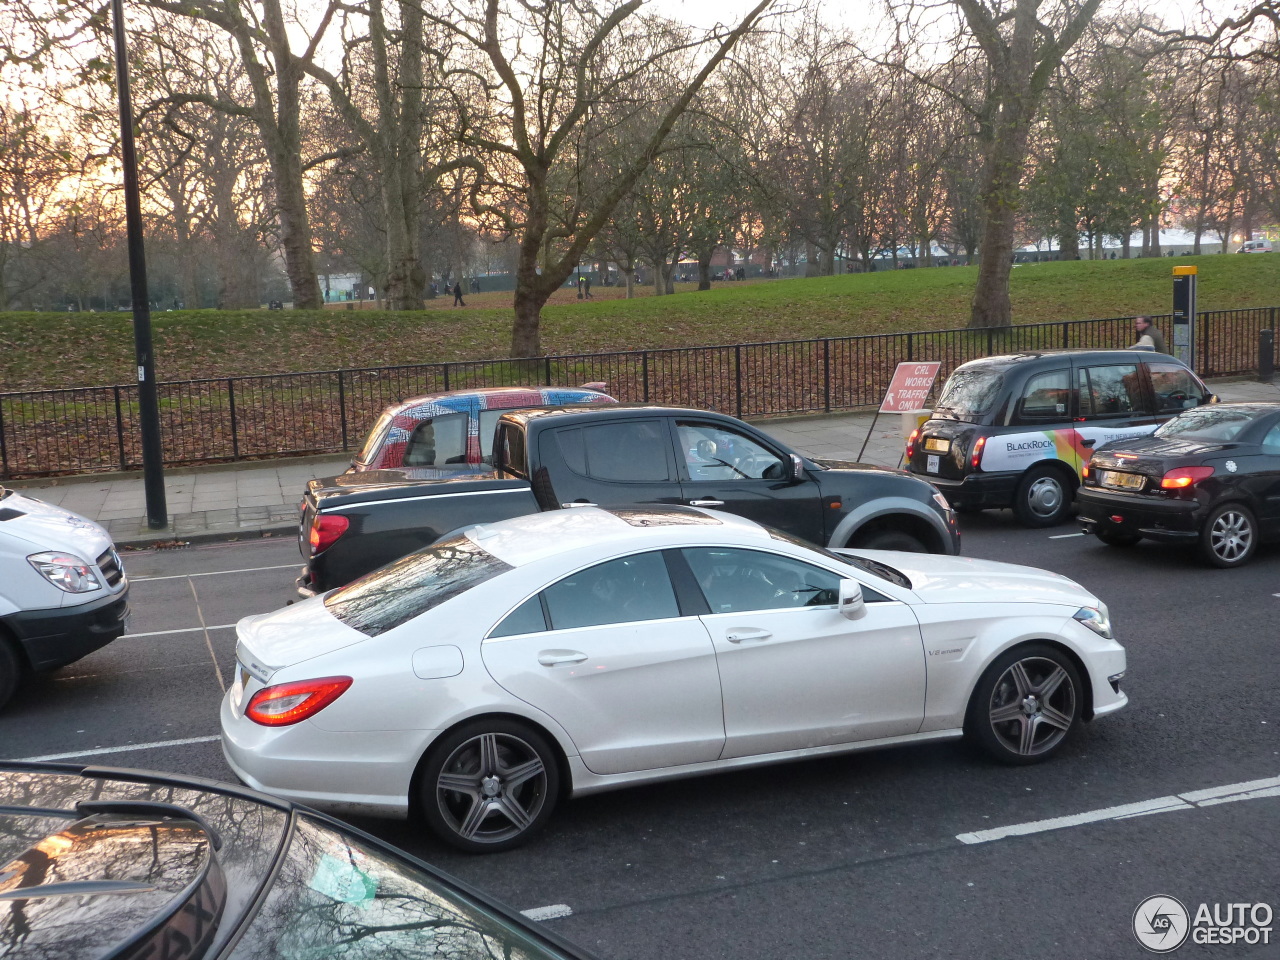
911, 443
326, 528
288, 703
975, 460
1184, 477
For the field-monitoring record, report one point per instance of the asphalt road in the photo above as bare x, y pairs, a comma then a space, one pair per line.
844, 858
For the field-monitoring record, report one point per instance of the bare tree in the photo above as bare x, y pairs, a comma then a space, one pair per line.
564, 72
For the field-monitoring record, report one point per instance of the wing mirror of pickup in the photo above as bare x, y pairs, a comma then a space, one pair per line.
797, 469
852, 606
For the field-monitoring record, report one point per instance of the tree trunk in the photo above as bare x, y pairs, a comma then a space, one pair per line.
1155, 239
1000, 199
668, 276
704, 271
1069, 245
1126, 243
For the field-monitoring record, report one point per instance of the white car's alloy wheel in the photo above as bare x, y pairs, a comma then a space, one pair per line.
1026, 704
489, 786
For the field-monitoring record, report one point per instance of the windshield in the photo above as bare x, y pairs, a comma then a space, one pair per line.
970, 392
398, 592
874, 567
341, 899
1214, 422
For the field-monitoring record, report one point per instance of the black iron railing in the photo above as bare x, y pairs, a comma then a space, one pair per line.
88, 429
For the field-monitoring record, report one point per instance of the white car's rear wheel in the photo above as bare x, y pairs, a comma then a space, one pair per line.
490, 785
1026, 705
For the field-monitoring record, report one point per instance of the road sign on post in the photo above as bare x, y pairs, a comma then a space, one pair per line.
1184, 315
907, 394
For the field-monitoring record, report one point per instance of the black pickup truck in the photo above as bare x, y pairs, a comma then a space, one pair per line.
562, 457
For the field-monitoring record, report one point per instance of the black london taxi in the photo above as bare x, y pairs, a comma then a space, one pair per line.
1015, 430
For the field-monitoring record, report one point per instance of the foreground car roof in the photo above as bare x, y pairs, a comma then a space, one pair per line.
100, 862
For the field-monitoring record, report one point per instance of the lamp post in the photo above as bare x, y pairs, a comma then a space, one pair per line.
148, 400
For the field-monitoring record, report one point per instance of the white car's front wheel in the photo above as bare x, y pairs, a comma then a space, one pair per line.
1026, 705
490, 785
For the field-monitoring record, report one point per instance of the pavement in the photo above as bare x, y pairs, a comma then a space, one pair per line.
240, 501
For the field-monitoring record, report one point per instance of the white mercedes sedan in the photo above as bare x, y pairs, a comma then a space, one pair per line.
482, 679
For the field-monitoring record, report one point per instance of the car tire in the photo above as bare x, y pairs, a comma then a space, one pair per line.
10, 669
892, 540
489, 785
1043, 497
1229, 535
1116, 538
1026, 705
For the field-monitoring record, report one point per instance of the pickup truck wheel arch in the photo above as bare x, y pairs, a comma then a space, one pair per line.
12, 666
893, 513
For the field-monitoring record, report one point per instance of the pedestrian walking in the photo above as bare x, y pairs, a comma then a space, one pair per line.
587, 287
581, 284
457, 295
1149, 337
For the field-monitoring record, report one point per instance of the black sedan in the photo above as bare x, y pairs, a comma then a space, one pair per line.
1210, 476
98, 863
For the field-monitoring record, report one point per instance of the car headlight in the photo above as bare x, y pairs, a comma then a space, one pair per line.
66, 571
1096, 619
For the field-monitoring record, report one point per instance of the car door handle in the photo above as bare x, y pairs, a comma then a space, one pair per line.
1087, 443
737, 636
549, 658
579, 503
706, 503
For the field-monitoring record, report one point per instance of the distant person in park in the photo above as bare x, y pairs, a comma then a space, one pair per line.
457, 295
581, 286
1148, 335
586, 288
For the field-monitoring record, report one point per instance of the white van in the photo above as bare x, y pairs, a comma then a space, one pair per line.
1255, 246
63, 590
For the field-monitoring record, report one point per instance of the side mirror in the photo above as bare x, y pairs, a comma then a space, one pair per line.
852, 606
797, 469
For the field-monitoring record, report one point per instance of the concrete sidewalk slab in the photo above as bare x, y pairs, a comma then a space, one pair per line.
260, 498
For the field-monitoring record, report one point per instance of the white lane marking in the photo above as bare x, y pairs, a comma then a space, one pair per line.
1228, 793
1064, 536
553, 912
208, 641
155, 745
163, 633
215, 573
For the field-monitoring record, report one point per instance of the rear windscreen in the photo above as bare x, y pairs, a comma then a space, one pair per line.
1207, 423
398, 592
970, 392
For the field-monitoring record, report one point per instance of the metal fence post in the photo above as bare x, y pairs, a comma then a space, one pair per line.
1206, 359
546, 361
991, 341
4, 450
644, 374
342, 407
826, 375
124, 465
737, 377
446, 378
911, 347
1066, 334
231, 404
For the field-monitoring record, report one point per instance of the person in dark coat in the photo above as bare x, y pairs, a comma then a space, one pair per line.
1149, 335
457, 295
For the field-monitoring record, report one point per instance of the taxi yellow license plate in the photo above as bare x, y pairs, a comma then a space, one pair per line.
937, 445
1123, 481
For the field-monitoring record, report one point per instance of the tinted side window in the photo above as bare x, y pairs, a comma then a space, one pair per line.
438, 441
571, 448
735, 581
526, 618
1046, 396
1111, 391
617, 591
1175, 388
630, 451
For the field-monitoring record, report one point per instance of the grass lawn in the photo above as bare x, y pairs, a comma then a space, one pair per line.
61, 350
